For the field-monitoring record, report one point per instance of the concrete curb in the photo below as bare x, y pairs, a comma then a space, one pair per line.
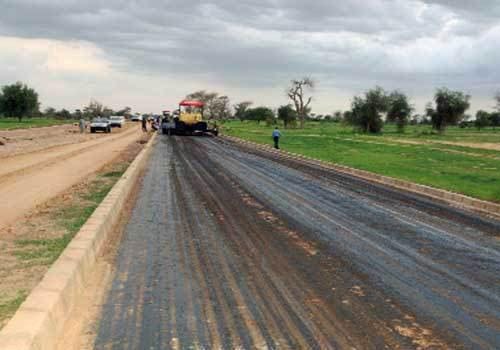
451, 198
39, 321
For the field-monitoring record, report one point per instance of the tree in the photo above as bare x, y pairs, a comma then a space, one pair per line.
107, 112
494, 119
259, 114
216, 107
450, 108
482, 119
240, 109
124, 112
366, 111
63, 114
287, 114
497, 100
429, 114
18, 100
337, 116
205, 97
296, 93
50, 112
78, 113
95, 109
348, 118
399, 109
219, 108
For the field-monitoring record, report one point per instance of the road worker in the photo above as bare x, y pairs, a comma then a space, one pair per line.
276, 137
81, 124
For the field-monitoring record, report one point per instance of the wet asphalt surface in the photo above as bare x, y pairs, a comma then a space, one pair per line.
230, 248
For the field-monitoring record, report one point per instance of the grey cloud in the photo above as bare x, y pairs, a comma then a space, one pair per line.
256, 42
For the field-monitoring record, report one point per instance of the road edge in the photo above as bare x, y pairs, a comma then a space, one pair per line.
39, 321
454, 199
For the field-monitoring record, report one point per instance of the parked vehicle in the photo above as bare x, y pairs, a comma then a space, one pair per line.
136, 118
116, 120
100, 124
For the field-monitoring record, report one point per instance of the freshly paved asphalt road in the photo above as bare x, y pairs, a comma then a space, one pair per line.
233, 248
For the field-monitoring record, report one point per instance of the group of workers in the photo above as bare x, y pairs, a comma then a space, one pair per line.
154, 123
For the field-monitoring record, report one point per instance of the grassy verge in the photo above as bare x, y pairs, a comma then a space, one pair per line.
70, 219
29, 248
476, 175
39, 254
13, 123
8, 306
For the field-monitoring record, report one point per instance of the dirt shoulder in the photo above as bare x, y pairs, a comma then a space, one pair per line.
480, 145
29, 180
22, 141
33, 243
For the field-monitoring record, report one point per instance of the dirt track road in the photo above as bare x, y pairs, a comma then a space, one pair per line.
27, 180
231, 248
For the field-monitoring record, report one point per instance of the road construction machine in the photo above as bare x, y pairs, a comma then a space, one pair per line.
187, 120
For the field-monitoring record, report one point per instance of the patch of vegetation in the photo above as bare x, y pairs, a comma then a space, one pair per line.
70, 219
427, 164
13, 123
114, 173
9, 306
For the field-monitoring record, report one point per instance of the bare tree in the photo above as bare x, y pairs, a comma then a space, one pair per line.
296, 93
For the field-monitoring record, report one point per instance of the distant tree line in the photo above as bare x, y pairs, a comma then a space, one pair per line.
20, 101
376, 107
368, 113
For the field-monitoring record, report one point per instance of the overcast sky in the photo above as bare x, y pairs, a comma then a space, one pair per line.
148, 54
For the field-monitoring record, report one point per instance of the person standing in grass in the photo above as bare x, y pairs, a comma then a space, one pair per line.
276, 137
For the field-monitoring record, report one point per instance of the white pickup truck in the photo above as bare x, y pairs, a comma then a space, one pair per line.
116, 120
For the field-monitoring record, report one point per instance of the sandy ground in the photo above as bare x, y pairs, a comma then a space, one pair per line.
28, 140
29, 179
480, 145
20, 276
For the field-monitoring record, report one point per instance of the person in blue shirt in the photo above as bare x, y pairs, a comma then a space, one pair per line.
276, 137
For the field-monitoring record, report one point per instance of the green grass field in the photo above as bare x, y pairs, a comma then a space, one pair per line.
471, 171
13, 123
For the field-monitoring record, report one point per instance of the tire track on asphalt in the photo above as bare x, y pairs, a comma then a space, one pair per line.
189, 216
204, 182
315, 308
258, 339
264, 173
236, 250
276, 304
236, 293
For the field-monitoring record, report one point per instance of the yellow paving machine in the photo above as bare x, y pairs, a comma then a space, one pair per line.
187, 120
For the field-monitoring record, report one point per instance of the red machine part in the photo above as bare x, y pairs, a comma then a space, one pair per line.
191, 103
